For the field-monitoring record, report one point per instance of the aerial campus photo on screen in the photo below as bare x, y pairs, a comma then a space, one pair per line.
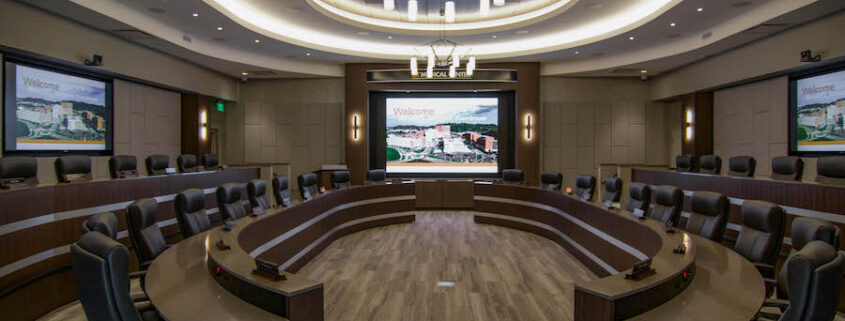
821, 113
442, 135
57, 111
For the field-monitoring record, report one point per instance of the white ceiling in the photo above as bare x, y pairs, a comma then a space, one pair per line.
168, 26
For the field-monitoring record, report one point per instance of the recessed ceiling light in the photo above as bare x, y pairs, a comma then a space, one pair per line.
672, 24
522, 32
631, 38
257, 41
643, 71
307, 53
494, 36
244, 74
700, 9
389, 37
219, 28
577, 52
363, 33
196, 14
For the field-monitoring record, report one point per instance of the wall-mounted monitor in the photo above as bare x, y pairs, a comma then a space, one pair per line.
49, 111
465, 134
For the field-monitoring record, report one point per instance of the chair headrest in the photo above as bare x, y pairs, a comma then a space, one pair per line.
123, 162
814, 254
376, 175
231, 192
513, 175
187, 160
741, 163
210, 160
711, 162
74, 164
613, 184
18, 167
101, 245
640, 192
762, 216
683, 161
158, 161
807, 229
668, 195
585, 181
256, 187
280, 183
832, 166
191, 200
307, 179
551, 178
105, 223
708, 203
787, 165
142, 213
340, 177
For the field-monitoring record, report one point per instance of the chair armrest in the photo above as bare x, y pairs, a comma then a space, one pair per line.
137, 275
767, 270
145, 265
777, 303
144, 306
140, 298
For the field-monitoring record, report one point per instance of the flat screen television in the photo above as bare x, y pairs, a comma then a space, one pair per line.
51, 112
817, 114
446, 134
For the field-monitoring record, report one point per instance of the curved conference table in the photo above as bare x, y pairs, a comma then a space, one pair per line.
196, 279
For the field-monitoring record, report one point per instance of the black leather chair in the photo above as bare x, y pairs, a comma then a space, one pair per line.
804, 230
612, 190
787, 168
105, 223
101, 267
742, 166
585, 187
639, 197
210, 162
761, 236
710, 164
157, 164
684, 163
18, 171
256, 191
376, 176
814, 275
190, 212
513, 176
831, 170
187, 163
708, 215
340, 180
146, 237
668, 203
307, 185
74, 168
229, 201
551, 180
123, 166
281, 190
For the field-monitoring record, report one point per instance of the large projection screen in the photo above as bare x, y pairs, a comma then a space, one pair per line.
818, 114
52, 112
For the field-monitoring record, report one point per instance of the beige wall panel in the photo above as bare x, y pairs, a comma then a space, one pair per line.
551, 125
551, 158
252, 146
603, 143
252, 113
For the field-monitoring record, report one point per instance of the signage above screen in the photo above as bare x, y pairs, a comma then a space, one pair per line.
404, 75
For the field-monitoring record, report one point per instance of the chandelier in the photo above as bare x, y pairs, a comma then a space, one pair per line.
442, 52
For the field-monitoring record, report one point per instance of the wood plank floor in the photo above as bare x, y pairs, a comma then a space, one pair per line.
391, 273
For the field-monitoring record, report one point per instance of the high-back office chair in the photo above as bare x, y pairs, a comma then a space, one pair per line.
101, 267
710, 164
831, 170
307, 185
805, 230
190, 212
281, 190
146, 237
105, 223
229, 201
742, 166
551, 180
340, 180
157, 164
18, 171
256, 191
74, 168
668, 202
761, 236
684, 163
210, 162
612, 190
709, 215
815, 280
376, 176
639, 197
787, 168
513, 176
123, 166
585, 187
187, 163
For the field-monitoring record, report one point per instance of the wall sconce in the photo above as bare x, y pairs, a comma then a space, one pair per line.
528, 127
688, 125
203, 125
355, 127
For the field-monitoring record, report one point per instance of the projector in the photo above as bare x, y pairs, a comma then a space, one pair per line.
807, 56
95, 61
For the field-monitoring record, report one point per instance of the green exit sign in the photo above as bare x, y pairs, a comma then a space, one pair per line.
220, 106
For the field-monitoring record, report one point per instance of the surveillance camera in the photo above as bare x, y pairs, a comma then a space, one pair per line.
95, 61
807, 56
